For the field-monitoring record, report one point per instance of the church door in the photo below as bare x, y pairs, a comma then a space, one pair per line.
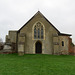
38, 47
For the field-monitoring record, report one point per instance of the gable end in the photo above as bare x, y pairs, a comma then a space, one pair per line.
44, 18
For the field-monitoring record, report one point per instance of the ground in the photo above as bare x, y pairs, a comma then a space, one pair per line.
37, 64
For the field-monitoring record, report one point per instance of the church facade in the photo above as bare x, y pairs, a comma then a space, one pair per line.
39, 36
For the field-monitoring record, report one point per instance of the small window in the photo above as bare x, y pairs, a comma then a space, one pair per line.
62, 43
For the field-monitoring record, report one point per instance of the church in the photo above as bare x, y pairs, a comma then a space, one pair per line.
39, 36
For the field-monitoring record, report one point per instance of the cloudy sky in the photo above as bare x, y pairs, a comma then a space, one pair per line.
15, 13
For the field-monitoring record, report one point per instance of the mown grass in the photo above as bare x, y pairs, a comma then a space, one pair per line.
37, 64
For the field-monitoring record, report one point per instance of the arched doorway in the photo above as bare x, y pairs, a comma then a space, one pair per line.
38, 47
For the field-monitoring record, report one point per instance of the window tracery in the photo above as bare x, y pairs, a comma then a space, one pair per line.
38, 31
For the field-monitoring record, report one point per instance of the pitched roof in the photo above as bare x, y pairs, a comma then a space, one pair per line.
48, 22
43, 17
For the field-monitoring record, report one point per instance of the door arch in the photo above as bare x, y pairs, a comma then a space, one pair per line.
38, 47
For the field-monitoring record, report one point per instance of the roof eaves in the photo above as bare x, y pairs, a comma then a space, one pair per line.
28, 21
25, 24
49, 22
63, 34
44, 18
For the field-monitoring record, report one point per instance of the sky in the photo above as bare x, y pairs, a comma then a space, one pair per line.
15, 13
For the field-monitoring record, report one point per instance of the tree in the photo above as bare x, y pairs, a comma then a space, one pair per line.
1, 41
1, 44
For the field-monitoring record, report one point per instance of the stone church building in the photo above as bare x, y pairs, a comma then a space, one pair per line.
39, 36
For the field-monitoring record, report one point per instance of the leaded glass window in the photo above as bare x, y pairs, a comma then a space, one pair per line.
42, 32
35, 32
38, 31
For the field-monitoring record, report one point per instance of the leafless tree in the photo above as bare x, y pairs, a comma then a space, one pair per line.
1, 44
1, 41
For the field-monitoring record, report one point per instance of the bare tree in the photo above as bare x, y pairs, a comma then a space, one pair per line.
1, 44
1, 41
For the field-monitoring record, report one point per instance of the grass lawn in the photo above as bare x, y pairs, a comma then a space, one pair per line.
37, 64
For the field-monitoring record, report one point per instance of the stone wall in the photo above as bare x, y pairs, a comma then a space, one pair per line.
7, 39
64, 44
11, 39
21, 43
71, 47
56, 45
52, 43
13, 36
47, 42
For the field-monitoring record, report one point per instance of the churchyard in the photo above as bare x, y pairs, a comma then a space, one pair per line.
37, 64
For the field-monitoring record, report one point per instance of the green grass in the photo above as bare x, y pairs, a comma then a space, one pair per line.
37, 64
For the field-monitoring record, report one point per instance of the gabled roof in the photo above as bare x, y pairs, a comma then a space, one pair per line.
48, 22
43, 17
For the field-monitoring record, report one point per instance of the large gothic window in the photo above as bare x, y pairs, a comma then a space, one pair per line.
38, 31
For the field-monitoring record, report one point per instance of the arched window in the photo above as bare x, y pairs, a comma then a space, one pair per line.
38, 31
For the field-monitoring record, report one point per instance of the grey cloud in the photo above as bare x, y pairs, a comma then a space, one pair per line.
14, 13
